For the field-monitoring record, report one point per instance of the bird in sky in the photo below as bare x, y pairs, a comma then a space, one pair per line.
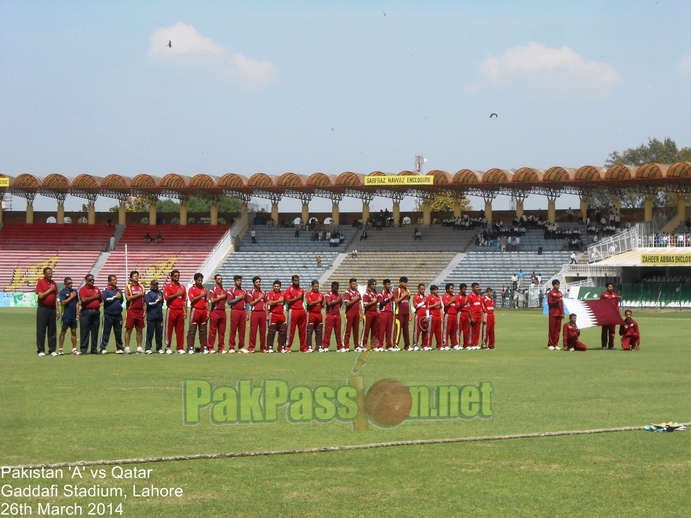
170, 44
493, 115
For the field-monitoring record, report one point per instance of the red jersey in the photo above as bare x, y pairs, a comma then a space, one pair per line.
385, 299
404, 304
332, 297
44, 285
85, 292
630, 330
351, 295
613, 298
315, 302
419, 302
488, 304
293, 292
449, 304
234, 293
179, 301
462, 303
555, 304
214, 294
430, 301
571, 333
136, 306
254, 294
368, 297
475, 304
202, 303
273, 296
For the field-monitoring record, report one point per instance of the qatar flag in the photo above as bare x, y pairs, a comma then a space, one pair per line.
593, 313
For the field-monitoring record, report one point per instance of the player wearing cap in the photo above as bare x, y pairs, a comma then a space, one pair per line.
134, 313
297, 318
257, 303
475, 308
369, 302
488, 319
175, 295
275, 301
401, 298
154, 318
450, 327
238, 315
353, 313
421, 328
385, 299
199, 314
556, 315
315, 321
333, 302
217, 315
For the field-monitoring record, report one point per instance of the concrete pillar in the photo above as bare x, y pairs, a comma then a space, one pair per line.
365, 212
274, 212
648, 208
214, 212
457, 209
551, 211
61, 212
29, 212
488, 211
426, 213
519, 208
183, 212
305, 212
91, 217
243, 210
152, 212
122, 214
335, 213
584, 208
396, 213
681, 206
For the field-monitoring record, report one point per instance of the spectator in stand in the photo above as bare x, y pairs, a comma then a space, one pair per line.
159, 238
573, 258
47, 314
569, 215
363, 235
539, 249
417, 234
514, 281
520, 276
353, 254
147, 238
253, 235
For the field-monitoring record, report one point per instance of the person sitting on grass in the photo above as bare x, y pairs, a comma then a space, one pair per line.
571, 334
629, 332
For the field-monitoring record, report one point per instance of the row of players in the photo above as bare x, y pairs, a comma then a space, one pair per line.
445, 321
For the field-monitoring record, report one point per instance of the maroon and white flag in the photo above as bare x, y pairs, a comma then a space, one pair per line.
593, 313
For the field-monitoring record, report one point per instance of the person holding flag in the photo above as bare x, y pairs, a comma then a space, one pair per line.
556, 315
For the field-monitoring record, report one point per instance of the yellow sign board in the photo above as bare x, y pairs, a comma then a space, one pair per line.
399, 180
666, 259
4, 182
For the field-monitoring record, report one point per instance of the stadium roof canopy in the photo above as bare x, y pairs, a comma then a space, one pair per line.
648, 178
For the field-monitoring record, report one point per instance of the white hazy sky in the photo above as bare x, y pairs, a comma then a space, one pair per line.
92, 87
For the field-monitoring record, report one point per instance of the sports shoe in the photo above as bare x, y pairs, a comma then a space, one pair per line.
359, 349
572, 350
551, 348
74, 351
325, 349
190, 350
484, 347
283, 350
40, 355
103, 351
127, 350
557, 348
180, 351
140, 350
244, 351
378, 349
393, 349
426, 348
416, 348
223, 351
205, 351
457, 347
119, 351
53, 353
60, 352
168, 350
211, 351
446, 348
148, 351
230, 351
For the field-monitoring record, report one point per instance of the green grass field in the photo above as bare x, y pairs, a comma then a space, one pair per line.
114, 407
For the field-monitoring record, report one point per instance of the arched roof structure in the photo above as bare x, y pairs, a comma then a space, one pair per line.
679, 170
496, 176
589, 173
620, 172
466, 177
527, 175
652, 171
557, 174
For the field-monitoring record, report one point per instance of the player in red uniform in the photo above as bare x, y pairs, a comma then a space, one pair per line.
134, 319
257, 303
47, 314
475, 309
630, 334
571, 334
297, 318
385, 300
333, 302
463, 316
353, 312
199, 314
175, 295
401, 297
450, 327
314, 300
369, 302
275, 301
421, 328
609, 332
217, 315
556, 314
488, 319
238, 315
433, 303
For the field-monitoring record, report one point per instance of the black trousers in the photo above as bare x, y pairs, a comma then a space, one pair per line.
113, 322
89, 321
45, 320
154, 326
